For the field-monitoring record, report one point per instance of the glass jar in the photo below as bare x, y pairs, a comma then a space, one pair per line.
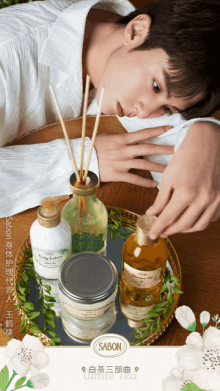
87, 216
87, 285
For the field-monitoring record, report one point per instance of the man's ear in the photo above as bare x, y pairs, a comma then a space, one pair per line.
137, 30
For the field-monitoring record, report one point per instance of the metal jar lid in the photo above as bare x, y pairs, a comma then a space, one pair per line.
87, 278
144, 224
87, 189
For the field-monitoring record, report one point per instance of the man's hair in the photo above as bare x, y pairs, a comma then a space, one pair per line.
189, 32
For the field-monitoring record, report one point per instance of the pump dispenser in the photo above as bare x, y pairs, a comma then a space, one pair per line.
143, 267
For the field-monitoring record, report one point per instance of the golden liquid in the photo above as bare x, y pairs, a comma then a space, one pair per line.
144, 258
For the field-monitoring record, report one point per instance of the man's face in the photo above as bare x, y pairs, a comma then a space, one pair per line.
135, 85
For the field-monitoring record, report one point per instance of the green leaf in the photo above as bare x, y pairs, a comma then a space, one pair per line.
48, 287
29, 384
20, 381
146, 320
35, 329
151, 330
21, 290
49, 298
164, 288
191, 387
28, 306
50, 323
33, 315
4, 377
174, 279
158, 324
192, 327
137, 335
17, 307
52, 333
170, 297
50, 305
177, 290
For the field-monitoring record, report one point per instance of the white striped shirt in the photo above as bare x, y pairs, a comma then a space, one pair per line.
41, 43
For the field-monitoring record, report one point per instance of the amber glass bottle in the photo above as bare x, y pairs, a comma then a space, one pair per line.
143, 267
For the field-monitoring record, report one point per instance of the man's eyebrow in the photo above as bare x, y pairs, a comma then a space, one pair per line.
166, 78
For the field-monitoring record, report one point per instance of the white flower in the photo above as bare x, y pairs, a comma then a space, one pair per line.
204, 318
26, 355
186, 318
201, 358
39, 381
177, 380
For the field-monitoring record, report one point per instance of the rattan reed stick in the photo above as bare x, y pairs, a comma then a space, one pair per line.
65, 132
85, 107
69, 147
94, 133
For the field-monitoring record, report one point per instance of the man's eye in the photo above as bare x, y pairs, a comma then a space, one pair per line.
156, 88
167, 109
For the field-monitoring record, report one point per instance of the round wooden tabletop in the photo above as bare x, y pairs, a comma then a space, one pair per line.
199, 252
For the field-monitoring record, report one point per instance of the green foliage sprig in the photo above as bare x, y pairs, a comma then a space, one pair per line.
114, 224
160, 311
46, 302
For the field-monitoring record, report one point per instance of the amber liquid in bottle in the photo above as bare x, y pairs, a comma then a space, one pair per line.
143, 268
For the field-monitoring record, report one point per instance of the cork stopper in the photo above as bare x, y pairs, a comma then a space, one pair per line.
144, 224
49, 215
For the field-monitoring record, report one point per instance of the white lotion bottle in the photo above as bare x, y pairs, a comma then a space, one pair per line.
51, 240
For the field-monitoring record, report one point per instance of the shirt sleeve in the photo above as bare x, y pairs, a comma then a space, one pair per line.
28, 173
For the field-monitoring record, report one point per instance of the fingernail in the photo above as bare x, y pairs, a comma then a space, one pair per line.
163, 235
153, 236
150, 211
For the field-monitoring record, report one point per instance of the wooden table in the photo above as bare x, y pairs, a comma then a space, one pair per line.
199, 253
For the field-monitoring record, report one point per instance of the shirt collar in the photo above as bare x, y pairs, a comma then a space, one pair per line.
63, 47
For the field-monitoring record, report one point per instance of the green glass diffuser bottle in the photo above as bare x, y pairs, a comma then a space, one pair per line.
87, 216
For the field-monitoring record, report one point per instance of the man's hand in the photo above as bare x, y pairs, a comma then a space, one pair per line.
116, 155
189, 196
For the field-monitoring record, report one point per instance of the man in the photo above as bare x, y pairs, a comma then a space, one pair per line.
136, 85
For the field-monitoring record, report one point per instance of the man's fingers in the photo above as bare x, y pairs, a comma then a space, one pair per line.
146, 134
203, 221
175, 207
148, 149
163, 197
142, 164
136, 180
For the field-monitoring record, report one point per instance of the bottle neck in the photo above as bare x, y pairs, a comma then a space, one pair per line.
88, 198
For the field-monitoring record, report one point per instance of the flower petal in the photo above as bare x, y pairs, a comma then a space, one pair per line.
176, 373
40, 381
20, 367
170, 384
189, 357
204, 317
195, 340
12, 348
190, 316
211, 338
32, 343
208, 380
40, 359
34, 369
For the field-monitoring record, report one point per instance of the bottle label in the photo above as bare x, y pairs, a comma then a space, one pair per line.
85, 241
135, 313
87, 314
141, 279
50, 258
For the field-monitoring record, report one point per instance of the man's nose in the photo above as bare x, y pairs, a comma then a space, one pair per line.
148, 109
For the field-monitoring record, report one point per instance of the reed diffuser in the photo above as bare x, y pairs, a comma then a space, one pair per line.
86, 215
